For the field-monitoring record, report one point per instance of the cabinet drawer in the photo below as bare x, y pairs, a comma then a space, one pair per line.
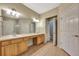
16, 41
5, 43
22, 47
26, 38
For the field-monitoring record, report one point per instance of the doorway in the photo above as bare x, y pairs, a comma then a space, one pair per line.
51, 29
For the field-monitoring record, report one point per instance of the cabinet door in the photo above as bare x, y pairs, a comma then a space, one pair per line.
13, 49
10, 50
2, 51
40, 39
22, 47
7, 50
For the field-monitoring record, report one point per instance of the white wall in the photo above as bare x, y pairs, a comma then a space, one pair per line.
40, 26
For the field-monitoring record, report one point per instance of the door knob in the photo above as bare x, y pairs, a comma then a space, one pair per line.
76, 35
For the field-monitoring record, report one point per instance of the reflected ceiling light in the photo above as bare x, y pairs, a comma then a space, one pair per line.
71, 20
17, 14
8, 12
13, 13
35, 20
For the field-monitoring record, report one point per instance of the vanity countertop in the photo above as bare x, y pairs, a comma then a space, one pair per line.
9, 37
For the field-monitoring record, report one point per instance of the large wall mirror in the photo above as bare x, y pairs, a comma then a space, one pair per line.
11, 25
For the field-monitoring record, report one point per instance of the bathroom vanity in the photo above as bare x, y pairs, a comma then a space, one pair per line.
13, 45
14, 33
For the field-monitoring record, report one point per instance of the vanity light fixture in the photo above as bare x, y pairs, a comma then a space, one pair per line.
8, 11
12, 12
35, 20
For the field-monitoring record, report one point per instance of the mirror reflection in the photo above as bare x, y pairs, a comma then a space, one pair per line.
15, 23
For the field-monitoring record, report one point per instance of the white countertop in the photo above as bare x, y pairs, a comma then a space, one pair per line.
17, 36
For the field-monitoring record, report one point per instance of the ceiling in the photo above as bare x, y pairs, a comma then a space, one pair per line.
41, 7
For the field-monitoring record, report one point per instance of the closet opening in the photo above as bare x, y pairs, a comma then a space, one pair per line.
51, 29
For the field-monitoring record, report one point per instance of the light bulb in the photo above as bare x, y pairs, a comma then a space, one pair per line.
35, 20
13, 13
17, 14
8, 12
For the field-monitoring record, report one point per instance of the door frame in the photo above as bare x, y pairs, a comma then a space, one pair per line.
47, 19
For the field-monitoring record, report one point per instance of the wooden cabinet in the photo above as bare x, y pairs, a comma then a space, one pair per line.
5, 43
19, 45
9, 50
39, 39
2, 51
12, 48
22, 47
5, 48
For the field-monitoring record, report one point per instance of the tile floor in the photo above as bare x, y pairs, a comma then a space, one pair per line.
45, 50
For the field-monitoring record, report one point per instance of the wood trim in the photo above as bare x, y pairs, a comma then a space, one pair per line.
56, 31
51, 17
47, 19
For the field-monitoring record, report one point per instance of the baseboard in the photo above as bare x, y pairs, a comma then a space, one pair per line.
65, 52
